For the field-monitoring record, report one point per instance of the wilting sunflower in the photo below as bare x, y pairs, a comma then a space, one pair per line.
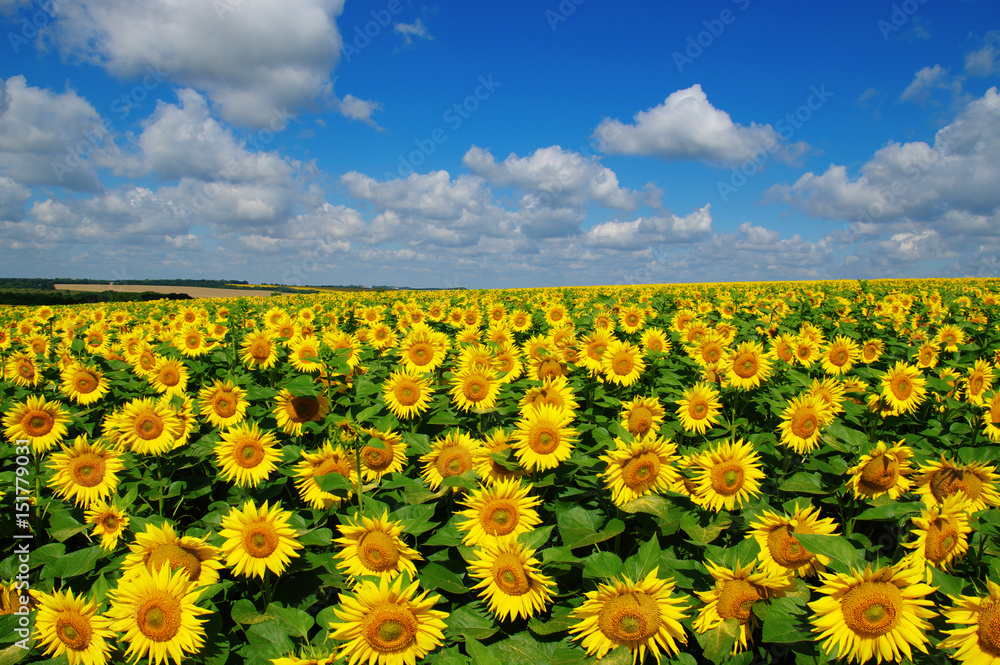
23, 369
976, 481
83, 384
622, 363
160, 545
698, 408
41, 422
258, 539
903, 388
385, 453
544, 438
873, 614
747, 365
148, 426
474, 389
292, 412
942, 533
109, 522
510, 579
169, 376
374, 547
642, 416
781, 553
326, 460
884, 470
736, 590
157, 613
406, 394
801, 422
641, 467
498, 510
246, 455
729, 474
977, 640
223, 403
69, 624
86, 472
839, 355
450, 455
385, 624
640, 616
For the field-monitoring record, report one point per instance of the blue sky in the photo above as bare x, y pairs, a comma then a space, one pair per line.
511, 145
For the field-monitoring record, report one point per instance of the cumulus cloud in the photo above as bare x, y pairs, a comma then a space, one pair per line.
687, 126
433, 195
646, 231
409, 31
929, 80
985, 61
12, 199
254, 58
359, 109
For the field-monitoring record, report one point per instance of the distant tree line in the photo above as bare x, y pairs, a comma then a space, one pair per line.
39, 297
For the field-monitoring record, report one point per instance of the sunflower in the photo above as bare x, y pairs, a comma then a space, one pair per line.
782, 348
622, 363
547, 365
159, 545
884, 470
872, 350
156, 610
511, 582
655, 340
246, 455
257, 351
640, 616
832, 392
496, 442
169, 376
303, 353
223, 403
41, 422
149, 427
544, 438
23, 370
554, 391
903, 388
326, 460
292, 412
520, 320
873, 614
498, 510
978, 381
507, 361
927, 355
109, 522
69, 624
374, 547
950, 337
406, 394
747, 365
806, 350
640, 467
977, 637
698, 409
387, 624
474, 389
338, 340
423, 350
975, 481
258, 539
593, 347
144, 361
801, 422
991, 417
942, 533
642, 416
781, 553
709, 350
384, 454
450, 455
83, 384
85, 472
729, 473
839, 355
736, 590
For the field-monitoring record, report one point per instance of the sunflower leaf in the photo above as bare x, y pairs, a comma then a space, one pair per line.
468, 621
602, 565
804, 483
891, 511
785, 621
947, 584
717, 643
652, 504
479, 654
843, 556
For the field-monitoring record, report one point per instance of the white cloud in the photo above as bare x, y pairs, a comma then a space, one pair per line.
12, 199
359, 109
687, 126
647, 231
433, 196
927, 81
254, 58
985, 61
411, 30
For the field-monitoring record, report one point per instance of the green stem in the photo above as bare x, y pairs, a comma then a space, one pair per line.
357, 468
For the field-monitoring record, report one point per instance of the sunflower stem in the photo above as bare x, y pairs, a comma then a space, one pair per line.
357, 469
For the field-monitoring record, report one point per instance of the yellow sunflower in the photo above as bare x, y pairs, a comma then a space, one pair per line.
328, 459
406, 394
510, 579
223, 403
451, 455
991, 417
374, 547
157, 613
423, 350
258, 351
84, 385
500, 509
884, 470
23, 369
109, 522
839, 355
736, 590
641, 467
474, 389
86, 472
942, 533
292, 412
977, 637
950, 337
927, 355
592, 348
978, 381
544, 438
41, 422
384, 454
69, 624
160, 545
975, 481
641, 616
303, 353
169, 376
729, 473
387, 624
246, 455
832, 392
781, 553
747, 365
655, 340
496, 441
801, 422
699, 407
903, 388
806, 350
258, 539
872, 350
873, 614
149, 427
555, 391
642, 416
622, 363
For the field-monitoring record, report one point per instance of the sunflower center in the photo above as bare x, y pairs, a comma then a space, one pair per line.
388, 628
508, 574
736, 599
87, 470
804, 423
377, 551
698, 410
453, 461
499, 517
407, 394
26, 369
73, 629
879, 474
159, 618
147, 360
260, 350
248, 454
225, 404
305, 408
786, 548
545, 441
475, 389
946, 482
38, 423
85, 382
549, 368
640, 421
641, 472
177, 557
110, 523
149, 426
727, 478
872, 608
377, 459
630, 617
745, 365
169, 377
901, 387
942, 536
260, 540
711, 354
989, 629
838, 357
622, 364
192, 341
421, 354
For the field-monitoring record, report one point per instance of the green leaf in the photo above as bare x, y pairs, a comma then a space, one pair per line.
436, 576
652, 504
717, 643
467, 480
302, 386
579, 527
15, 654
334, 483
523, 649
844, 439
76, 563
245, 613
537, 537
415, 519
947, 584
319, 537
604, 565
479, 654
469, 621
891, 511
842, 554
644, 561
297, 622
444, 417
561, 621
804, 483
785, 621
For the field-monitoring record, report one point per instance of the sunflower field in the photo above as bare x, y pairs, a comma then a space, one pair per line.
727, 473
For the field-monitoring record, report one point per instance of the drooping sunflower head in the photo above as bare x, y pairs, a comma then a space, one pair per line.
328, 459
85, 472
976, 481
292, 411
374, 547
736, 591
642, 416
450, 455
885, 470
